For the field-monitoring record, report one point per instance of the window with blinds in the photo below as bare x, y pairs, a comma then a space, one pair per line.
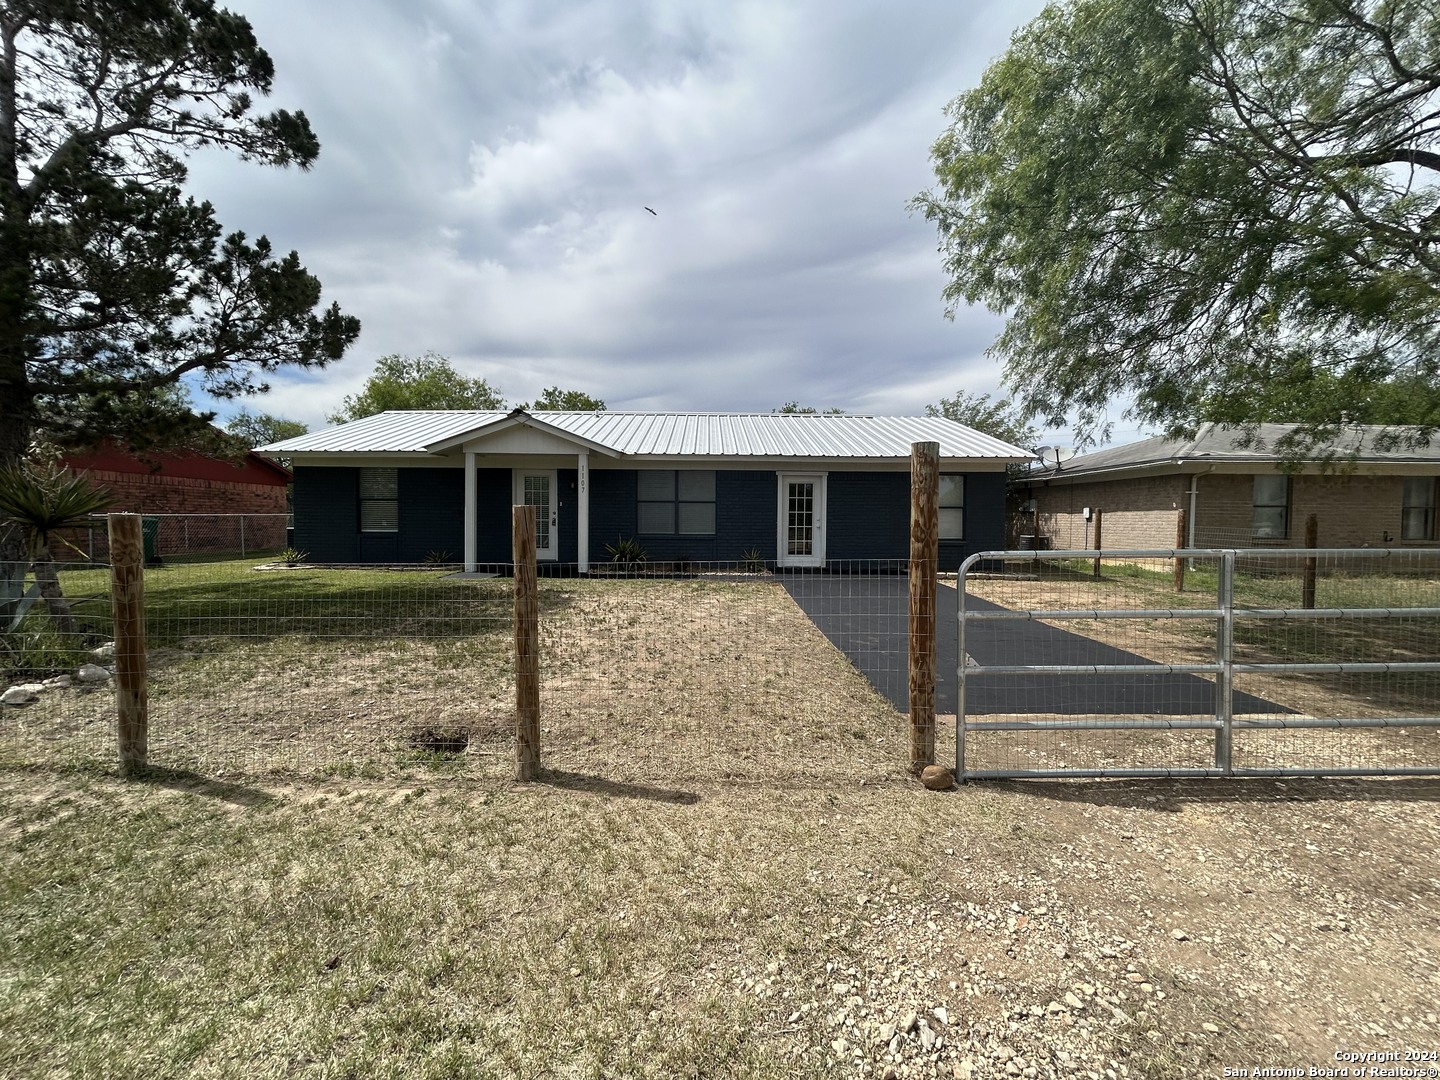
675, 503
379, 500
1417, 511
1270, 511
952, 506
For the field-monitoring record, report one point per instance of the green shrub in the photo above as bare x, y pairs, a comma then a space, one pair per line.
627, 554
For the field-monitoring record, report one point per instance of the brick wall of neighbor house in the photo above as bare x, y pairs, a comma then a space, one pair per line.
158, 493
1351, 511
1139, 513
208, 506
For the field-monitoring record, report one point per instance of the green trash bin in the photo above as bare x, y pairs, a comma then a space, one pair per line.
150, 531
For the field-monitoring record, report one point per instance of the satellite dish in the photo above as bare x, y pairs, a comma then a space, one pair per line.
1054, 455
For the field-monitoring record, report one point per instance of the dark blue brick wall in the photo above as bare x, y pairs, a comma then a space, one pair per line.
494, 496
569, 508
984, 520
745, 506
744, 518
612, 509
327, 513
868, 516
432, 514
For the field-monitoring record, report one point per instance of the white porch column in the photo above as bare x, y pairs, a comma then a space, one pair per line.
582, 506
470, 565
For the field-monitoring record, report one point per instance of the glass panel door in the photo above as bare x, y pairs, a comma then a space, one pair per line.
537, 489
537, 494
800, 517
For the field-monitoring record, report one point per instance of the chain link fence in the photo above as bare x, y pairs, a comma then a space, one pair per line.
170, 537
649, 674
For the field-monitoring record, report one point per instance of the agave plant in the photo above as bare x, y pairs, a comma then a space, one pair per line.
41, 499
627, 554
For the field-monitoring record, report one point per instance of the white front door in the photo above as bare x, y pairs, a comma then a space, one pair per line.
802, 519
537, 488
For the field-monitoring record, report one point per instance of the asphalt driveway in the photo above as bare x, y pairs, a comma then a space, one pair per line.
866, 618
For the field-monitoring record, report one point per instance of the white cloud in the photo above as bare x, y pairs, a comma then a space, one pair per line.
484, 170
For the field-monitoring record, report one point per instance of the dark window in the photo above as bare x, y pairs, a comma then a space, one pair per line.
1417, 512
1270, 516
952, 506
379, 500
671, 503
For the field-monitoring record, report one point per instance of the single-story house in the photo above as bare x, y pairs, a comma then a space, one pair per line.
799, 490
1236, 495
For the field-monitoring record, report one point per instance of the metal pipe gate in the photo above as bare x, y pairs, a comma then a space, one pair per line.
1223, 669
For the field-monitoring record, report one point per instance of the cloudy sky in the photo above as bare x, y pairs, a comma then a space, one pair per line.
485, 167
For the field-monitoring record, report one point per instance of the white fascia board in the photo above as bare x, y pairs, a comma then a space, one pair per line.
610, 460
374, 460
1121, 472
472, 440
794, 464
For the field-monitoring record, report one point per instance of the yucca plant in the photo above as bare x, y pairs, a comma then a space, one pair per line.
41, 499
627, 554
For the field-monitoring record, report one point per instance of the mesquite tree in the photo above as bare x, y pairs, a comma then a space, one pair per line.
1221, 210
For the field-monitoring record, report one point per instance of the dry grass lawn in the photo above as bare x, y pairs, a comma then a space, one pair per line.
724, 872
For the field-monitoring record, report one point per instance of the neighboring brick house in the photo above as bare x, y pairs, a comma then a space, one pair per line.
200, 500
1236, 496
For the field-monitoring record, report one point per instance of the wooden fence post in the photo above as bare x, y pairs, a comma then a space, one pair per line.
1099, 517
1180, 539
1307, 581
924, 560
127, 600
527, 646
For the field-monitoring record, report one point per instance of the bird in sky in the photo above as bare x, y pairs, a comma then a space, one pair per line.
652, 211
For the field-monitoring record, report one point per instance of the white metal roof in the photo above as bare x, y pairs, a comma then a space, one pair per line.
637, 434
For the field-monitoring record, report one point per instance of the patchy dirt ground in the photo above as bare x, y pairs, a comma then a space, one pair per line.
640, 680
1031, 929
724, 872
1137, 928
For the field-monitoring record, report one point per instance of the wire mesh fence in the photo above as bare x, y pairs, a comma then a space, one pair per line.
56, 663
1313, 661
182, 537
648, 674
